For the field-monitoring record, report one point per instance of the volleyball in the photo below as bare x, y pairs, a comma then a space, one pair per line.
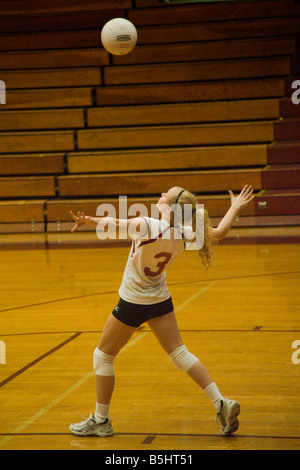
119, 36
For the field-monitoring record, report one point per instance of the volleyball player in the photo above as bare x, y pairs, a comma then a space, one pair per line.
145, 297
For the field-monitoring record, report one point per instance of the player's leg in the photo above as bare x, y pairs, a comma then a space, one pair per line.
114, 336
166, 330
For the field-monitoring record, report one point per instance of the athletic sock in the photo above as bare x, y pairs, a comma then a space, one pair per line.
214, 395
101, 413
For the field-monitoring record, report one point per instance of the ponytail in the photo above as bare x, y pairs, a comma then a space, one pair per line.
206, 253
204, 230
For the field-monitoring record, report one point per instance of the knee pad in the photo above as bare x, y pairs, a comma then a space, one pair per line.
103, 363
182, 358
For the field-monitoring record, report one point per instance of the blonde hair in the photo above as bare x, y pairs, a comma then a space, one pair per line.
206, 253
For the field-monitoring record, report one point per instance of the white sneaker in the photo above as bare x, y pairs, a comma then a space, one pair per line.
90, 427
227, 415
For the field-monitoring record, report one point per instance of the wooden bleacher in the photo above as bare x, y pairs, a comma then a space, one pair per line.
204, 102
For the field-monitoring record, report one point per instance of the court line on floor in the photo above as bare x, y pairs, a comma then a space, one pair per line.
65, 299
193, 297
90, 374
206, 330
38, 359
147, 434
170, 284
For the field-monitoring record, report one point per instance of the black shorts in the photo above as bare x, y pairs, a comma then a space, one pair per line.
136, 314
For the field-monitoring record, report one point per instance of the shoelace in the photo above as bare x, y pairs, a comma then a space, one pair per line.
218, 415
91, 417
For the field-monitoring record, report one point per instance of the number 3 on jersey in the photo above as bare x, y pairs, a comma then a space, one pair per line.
160, 265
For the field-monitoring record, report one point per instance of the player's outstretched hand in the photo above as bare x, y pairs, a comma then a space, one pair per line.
243, 198
80, 219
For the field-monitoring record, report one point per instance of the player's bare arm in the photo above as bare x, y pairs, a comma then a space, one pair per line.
237, 204
124, 226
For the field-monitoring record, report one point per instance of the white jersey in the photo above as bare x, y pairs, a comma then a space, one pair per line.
144, 278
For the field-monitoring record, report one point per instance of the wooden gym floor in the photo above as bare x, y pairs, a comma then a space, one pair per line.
240, 319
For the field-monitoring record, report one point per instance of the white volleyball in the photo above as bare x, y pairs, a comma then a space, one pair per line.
119, 36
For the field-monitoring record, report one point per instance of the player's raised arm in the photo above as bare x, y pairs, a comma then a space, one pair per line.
237, 203
127, 227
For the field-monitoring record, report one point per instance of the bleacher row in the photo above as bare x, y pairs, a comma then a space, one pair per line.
203, 102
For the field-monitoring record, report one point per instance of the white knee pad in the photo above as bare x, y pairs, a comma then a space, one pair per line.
182, 358
103, 363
